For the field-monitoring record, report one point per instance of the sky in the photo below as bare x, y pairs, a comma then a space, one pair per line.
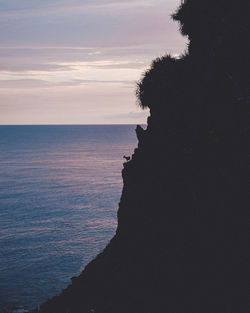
78, 61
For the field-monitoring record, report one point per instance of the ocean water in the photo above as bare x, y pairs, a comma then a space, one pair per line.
59, 193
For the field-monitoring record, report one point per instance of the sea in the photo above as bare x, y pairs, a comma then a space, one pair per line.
60, 187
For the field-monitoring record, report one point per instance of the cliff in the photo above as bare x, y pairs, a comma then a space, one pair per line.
181, 244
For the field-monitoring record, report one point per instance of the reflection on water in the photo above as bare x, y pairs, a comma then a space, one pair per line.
59, 192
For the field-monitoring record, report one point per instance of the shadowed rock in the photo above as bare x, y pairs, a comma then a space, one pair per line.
181, 244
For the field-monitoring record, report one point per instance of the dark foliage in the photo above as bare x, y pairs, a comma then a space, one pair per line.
159, 80
210, 84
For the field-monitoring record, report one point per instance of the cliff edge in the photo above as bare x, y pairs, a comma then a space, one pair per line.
181, 244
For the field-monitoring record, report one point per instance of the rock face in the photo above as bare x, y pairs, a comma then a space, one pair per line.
181, 245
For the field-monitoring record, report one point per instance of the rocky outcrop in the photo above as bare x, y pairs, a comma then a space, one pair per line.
181, 244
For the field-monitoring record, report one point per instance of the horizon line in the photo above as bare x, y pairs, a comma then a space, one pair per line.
65, 124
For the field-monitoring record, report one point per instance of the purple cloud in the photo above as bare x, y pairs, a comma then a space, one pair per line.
88, 53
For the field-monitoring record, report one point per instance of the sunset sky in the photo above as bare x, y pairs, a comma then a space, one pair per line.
77, 61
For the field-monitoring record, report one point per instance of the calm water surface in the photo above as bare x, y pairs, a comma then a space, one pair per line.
59, 192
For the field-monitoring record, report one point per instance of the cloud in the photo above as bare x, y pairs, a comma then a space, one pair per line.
77, 61
94, 103
27, 5
23, 83
82, 23
18, 84
22, 66
50, 58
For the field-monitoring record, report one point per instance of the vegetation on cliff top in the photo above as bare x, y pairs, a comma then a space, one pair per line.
207, 87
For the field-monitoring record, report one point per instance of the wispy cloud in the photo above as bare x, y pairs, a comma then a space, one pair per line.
86, 54
57, 5
77, 23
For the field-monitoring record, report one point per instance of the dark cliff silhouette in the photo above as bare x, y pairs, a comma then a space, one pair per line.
181, 245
